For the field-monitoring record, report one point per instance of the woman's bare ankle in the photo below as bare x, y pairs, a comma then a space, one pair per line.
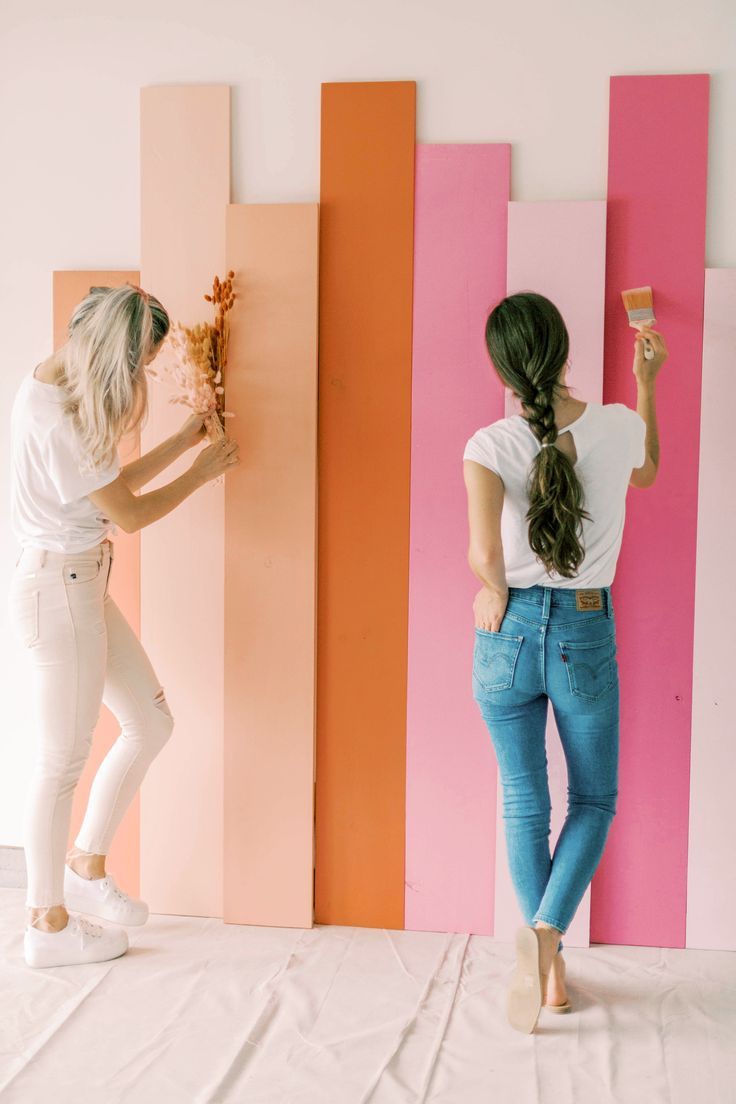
51, 919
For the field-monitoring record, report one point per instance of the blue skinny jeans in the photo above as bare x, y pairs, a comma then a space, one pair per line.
552, 647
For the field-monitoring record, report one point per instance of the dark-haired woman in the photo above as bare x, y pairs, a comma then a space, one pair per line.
546, 505
69, 493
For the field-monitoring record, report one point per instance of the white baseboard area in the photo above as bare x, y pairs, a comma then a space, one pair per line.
12, 868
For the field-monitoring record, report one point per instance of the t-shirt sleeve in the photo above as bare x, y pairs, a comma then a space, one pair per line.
63, 462
638, 438
483, 449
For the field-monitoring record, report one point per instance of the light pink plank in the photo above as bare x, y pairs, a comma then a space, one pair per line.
658, 146
711, 878
185, 182
559, 250
460, 271
270, 565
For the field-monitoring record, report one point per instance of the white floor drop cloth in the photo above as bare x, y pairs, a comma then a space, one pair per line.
201, 1012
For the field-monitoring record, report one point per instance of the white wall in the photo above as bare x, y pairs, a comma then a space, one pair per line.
532, 73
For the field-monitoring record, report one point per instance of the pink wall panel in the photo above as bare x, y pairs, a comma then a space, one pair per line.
711, 881
559, 250
270, 566
185, 184
460, 271
656, 235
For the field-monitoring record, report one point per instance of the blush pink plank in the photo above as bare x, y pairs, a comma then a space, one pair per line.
185, 188
711, 884
559, 250
460, 271
658, 146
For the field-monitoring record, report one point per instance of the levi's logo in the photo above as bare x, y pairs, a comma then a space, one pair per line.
588, 599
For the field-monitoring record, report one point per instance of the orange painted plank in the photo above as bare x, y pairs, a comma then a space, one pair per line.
366, 268
270, 566
69, 288
185, 189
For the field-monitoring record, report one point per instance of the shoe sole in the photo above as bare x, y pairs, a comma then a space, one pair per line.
42, 960
524, 998
79, 904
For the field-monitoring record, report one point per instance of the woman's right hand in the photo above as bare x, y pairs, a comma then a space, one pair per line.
646, 370
212, 461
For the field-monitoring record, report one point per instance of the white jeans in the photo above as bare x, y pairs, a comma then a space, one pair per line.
82, 652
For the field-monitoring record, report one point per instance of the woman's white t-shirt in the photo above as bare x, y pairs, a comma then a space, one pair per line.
49, 507
609, 442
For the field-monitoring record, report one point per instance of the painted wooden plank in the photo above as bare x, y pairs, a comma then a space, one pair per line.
69, 288
711, 872
366, 253
270, 566
185, 186
461, 202
559, 250
655, 236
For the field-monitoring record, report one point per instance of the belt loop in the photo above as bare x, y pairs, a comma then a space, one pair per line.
44, 552
609, 614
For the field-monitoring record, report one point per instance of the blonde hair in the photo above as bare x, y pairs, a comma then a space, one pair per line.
112, 332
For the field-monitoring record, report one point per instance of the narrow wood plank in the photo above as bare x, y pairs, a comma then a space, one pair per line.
711, 871
270, 566
462, 194
655, 236
366, 251
185, 189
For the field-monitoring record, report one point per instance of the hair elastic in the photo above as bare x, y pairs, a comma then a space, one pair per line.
144, 293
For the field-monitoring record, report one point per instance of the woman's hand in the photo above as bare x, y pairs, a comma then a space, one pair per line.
489, 608
215, 459
646, 370
193, 430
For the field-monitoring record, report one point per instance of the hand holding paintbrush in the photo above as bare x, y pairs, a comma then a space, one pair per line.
639, 303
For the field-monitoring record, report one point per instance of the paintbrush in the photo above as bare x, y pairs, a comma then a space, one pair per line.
639, 303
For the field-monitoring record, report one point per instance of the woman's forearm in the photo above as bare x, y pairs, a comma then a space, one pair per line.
491, 570
149, 507
145, 468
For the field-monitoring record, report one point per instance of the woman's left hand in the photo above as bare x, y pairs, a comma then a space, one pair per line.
193, 431
489, 608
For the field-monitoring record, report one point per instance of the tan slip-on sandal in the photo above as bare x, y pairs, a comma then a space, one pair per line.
566, 1007
524, 996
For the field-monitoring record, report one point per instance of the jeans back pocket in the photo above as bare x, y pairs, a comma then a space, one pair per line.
494, 660
591, 666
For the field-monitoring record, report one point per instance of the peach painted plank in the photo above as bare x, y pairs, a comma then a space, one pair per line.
460, 224
270, 566
69, 288
366, 251
185, 189
559, 250
711, 882
655, 236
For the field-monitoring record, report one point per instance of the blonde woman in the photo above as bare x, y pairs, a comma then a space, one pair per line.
68, 495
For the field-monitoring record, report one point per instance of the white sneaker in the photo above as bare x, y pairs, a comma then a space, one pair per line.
102, 897
80, 941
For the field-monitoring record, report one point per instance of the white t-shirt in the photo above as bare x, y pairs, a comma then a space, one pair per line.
609, 443
49, 507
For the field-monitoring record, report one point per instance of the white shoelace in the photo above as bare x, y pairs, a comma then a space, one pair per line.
85, 926
118, 892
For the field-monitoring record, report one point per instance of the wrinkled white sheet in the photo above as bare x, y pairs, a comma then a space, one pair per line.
202, 1012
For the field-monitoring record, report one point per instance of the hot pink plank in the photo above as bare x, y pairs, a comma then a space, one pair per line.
460, 271
711, 888
559, 250
656, 235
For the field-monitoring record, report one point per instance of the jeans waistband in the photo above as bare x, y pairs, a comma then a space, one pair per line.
575, 597
37, 557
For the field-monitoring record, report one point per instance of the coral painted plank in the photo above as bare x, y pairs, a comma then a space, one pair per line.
366, 253
461, 201
270, 566
655, 236
69, 288
711, 882
559, 250
185, 189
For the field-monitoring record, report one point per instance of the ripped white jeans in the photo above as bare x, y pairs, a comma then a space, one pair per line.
83, 652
